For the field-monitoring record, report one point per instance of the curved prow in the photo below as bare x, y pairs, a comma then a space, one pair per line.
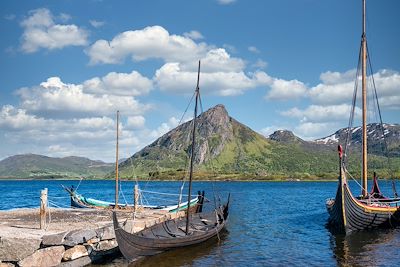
226, 207
376, 191
340, 152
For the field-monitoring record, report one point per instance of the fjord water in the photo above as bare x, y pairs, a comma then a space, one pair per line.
270, 224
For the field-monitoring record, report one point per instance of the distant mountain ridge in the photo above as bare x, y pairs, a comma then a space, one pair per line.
225, 145
39, 166
375, 134
225, 148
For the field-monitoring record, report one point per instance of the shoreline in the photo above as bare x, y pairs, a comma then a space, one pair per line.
169, 180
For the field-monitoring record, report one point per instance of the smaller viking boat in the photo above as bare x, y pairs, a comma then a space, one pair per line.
174, 233
80, 201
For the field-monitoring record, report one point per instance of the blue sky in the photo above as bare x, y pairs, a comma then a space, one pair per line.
67, 66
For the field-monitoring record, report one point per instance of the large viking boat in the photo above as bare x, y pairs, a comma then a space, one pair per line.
373, 209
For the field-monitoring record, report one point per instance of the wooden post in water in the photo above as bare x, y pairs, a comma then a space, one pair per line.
43, 208
136, 197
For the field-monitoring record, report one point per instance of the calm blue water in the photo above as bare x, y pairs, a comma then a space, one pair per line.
270, 224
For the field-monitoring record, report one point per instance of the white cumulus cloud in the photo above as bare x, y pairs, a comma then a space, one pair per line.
315, 113
284, 90
41, 31
165, 127
59, 97
195, 35
150, 42
314, 130
171, 77
135, 122
225, 2
13, 118
96, 23
337, 88
253, 49
122, 84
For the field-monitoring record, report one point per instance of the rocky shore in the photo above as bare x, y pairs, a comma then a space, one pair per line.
73, 237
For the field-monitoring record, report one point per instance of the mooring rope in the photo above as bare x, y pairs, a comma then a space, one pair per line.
159, 193
79, 183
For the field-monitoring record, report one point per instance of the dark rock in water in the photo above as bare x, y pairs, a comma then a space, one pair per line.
16, 249
50, 256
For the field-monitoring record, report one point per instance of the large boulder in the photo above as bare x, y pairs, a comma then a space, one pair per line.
105, 245
76, 252
6, 264
53, 240
50, 256
76, 237
83, 261
16, 249
106, 233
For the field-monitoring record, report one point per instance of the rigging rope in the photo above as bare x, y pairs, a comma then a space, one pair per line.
353, 106
79, 183
382, 128
158, 193
210, 162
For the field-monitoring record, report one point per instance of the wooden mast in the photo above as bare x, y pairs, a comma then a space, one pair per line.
116, 165
192, 152
364, 107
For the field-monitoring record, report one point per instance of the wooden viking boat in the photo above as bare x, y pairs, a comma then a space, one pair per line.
170, 234
348, 213
174, 233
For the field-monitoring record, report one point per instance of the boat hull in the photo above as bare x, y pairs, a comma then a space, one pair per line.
81, 202
348, 214
169, 234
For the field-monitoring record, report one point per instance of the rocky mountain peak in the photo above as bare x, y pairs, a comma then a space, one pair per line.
214, 129
216, 116
284, 136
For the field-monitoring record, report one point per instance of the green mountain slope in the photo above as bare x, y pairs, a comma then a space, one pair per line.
225, 149
38, 166
228, 149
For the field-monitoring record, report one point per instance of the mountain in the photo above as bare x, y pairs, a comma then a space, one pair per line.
226, 148
38, 166
285, 136
375, 134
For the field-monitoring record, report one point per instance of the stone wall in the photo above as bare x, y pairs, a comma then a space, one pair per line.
70, 248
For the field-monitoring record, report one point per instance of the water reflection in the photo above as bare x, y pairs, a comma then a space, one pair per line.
366, 248
184, 256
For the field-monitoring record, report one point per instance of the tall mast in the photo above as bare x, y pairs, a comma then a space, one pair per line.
192, 152
116, 164
364, 107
